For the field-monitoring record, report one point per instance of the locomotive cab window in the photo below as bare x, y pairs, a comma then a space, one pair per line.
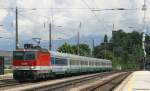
18, 55
23, 55
29, 55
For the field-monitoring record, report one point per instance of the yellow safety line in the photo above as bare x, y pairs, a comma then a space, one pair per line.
130, 84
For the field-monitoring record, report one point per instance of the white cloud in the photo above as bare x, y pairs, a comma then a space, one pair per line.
4, 33
3, 14
31, 21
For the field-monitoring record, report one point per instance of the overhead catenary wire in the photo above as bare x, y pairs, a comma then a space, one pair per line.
91, 10
40, 24
77, 8
54, 8
93, 13
32, 20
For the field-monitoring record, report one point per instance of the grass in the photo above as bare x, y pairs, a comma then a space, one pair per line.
6, 71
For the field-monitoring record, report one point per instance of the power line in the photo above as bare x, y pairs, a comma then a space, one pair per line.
93, 13
42, 16
31, 19
48, 8
46, 17
90, 9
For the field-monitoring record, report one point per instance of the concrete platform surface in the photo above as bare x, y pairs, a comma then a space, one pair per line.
6, 76
137, 81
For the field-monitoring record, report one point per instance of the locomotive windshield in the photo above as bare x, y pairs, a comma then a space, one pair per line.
17, 55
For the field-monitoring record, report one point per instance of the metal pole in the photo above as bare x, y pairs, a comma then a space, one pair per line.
144, 8
78, 43
93, 44
113, 27
113, 41
50, 36
17, 42
105, 50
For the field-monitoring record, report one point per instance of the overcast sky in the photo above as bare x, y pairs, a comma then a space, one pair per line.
66, 15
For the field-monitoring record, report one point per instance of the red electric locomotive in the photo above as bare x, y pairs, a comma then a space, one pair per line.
27, 64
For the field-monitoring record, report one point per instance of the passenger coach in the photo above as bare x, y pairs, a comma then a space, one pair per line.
39, 63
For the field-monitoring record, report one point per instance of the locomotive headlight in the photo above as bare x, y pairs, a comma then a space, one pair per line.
15, 67
32, 67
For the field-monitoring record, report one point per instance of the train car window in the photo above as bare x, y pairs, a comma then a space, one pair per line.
92, 64
82, 62
71, 62
97, 64
74, 62
60, 62
78, 63
29, 55
103, 63
18, 55
86, 62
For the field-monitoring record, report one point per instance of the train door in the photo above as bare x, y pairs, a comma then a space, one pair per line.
1, 65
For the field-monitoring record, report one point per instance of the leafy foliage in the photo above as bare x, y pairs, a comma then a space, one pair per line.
84, 49
66, 48
124, 49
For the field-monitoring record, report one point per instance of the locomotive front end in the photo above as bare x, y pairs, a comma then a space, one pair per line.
24, 64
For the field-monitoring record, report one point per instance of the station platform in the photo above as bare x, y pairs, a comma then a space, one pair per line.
137, 81
6, 76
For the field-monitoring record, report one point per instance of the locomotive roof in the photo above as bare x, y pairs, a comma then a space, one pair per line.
43, 50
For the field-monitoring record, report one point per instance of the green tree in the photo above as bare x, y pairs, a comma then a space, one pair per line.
126, 49
65, 48
100, 52
127, 46
84, 49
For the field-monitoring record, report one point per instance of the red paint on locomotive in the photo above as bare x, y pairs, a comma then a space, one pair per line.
41, 59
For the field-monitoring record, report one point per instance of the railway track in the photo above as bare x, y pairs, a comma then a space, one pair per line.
106, 84
110, 84
9, 83
62, 84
